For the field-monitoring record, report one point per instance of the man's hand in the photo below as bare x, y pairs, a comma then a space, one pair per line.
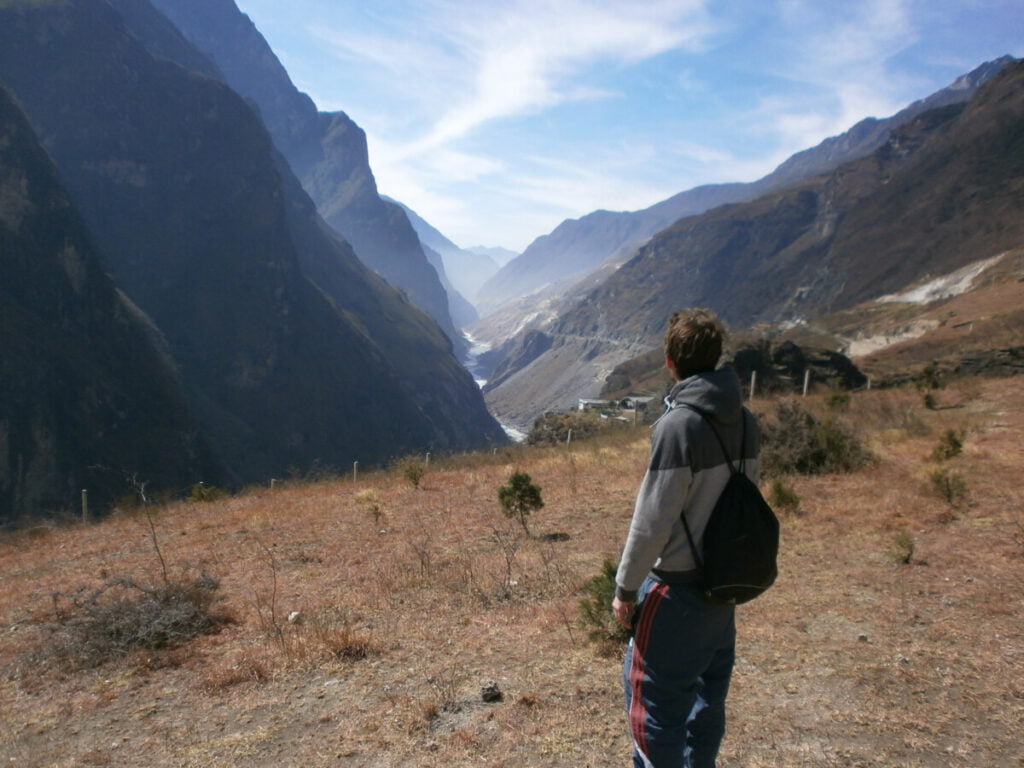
623, 612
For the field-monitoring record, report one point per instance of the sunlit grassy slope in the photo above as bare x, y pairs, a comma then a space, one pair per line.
893, 637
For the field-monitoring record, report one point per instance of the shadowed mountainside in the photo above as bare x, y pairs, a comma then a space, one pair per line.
291, 352
89, 397
327, 151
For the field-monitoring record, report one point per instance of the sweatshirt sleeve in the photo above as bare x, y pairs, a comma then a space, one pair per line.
659, 503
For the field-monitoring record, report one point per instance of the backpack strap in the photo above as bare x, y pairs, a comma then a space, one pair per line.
743, 439
732, 469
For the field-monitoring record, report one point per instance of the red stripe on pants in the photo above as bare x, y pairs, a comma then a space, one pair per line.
641, 641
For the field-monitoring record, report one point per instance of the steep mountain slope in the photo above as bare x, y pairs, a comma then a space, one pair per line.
290, 350
945, 190
88, 397
467, 270
327, 151
579, 245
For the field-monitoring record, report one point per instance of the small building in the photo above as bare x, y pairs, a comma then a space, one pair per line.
636, 402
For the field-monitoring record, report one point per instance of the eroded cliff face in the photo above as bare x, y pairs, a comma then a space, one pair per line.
89, 397
291, 352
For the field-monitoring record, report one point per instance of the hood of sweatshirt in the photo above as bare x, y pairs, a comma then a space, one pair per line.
717, 393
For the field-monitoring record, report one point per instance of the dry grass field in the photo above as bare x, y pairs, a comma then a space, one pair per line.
893, 638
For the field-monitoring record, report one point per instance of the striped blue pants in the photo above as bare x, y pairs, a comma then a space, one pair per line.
676, 676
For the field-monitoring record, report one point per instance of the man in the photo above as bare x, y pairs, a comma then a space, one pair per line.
680, 658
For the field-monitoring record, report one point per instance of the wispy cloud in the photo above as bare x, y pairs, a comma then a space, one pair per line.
515, 112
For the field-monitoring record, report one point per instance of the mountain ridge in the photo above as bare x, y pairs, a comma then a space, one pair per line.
938, 194
579, 245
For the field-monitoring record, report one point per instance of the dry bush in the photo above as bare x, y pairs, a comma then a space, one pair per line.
94, 626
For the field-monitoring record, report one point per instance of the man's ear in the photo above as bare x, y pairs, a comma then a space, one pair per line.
671, 367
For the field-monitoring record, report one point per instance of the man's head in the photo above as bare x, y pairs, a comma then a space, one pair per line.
693, 342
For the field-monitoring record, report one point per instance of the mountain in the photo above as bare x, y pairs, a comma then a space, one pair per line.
500, 256
291, 352
579, 245
89, 397
941, 192
327, 151
466, 269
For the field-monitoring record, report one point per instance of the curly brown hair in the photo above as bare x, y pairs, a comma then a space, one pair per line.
693, 341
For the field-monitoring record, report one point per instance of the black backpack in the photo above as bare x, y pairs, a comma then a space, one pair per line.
741, 540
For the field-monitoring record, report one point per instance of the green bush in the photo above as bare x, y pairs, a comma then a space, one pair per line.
951, 445
519, 498
949, 486
596, 610
799, 443
903, 548
413, 470
203, 493
837, 400
782, 496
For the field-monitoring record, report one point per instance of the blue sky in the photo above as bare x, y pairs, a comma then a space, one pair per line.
497, 119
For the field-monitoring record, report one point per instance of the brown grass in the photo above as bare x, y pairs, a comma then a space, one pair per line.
855, 658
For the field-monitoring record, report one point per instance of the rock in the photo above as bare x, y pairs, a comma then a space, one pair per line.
490, 692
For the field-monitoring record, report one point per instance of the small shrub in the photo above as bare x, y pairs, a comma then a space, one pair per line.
368, 497
782, 496
951, 445
519, 498
929, 377
202, 493
799, 443
837, 400
903, 548
596, 611
949, 486
930, 402
413, 470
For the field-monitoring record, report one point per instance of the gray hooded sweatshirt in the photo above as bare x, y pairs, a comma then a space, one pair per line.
686, 474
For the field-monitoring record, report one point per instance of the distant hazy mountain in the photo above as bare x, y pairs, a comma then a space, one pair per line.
941, 192
466, 269
327, 151
291, 352
500, 256
88, 396
579, 245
